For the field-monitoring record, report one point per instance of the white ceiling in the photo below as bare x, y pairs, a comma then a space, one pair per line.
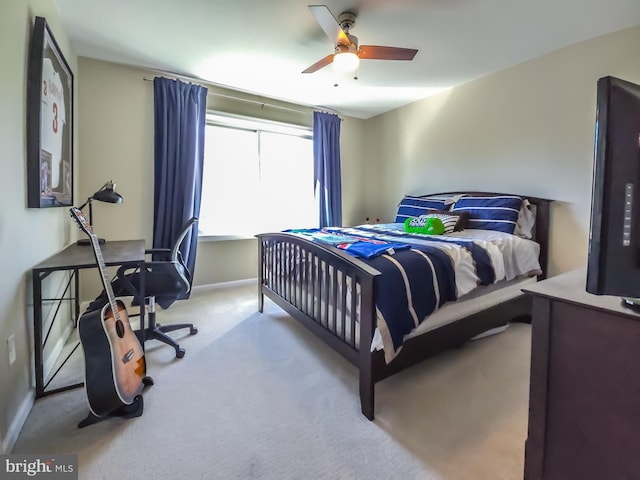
262, 46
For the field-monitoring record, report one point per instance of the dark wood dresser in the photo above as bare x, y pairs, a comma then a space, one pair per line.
584, 399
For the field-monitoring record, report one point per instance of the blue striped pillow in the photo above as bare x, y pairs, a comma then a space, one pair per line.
412, 207
499, 213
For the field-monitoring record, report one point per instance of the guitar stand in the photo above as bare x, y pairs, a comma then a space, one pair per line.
126, 411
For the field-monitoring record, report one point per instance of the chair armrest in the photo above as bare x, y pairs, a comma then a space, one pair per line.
157, 250
162, 252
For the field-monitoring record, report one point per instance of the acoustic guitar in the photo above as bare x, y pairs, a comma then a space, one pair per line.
115, 366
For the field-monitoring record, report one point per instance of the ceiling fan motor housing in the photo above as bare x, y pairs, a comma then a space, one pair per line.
347, 20
351, 48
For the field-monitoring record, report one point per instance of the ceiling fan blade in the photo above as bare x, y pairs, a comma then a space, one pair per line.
319, 64
374, 52
329, 24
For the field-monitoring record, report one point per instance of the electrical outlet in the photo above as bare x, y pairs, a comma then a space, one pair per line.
11, 347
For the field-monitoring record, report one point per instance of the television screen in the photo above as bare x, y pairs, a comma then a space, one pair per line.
614, 239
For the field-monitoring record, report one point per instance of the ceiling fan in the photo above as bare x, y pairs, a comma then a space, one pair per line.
347, 52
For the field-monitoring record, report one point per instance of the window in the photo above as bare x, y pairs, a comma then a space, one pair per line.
257, 177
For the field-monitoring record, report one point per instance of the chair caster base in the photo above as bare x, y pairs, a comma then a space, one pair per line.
180, 352
193, 330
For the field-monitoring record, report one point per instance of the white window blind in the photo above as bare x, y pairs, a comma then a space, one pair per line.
257, 177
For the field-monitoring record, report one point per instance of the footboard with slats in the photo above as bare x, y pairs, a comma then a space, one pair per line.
330, 292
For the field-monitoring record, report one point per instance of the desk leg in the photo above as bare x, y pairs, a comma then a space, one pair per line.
37, 332
141, 300
76, 295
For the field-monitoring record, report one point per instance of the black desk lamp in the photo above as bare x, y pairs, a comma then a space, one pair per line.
106, 194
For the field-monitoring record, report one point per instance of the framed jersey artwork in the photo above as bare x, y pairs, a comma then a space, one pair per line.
49, 122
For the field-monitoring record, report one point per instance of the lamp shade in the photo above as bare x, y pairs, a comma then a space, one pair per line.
108, 193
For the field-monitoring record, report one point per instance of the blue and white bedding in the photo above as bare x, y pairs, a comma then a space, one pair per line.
433, 270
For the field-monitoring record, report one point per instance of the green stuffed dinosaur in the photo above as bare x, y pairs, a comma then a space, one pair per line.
424, 224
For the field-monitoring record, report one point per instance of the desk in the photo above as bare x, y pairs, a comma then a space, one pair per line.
584, 420
74, 258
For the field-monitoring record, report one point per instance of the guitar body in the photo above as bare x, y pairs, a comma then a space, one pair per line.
114, 359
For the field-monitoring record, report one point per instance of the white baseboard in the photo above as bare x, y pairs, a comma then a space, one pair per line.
18, 421
233, 283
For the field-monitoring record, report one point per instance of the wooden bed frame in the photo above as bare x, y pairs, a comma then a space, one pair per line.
293, 271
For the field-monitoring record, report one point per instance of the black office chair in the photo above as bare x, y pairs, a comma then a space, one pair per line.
166, 280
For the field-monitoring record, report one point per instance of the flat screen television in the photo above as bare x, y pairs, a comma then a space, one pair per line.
614, 238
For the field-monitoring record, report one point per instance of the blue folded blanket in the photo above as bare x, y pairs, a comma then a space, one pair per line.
368, 249
353, 245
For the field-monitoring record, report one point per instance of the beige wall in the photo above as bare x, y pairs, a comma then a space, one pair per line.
528, 129
116, 141
27, 235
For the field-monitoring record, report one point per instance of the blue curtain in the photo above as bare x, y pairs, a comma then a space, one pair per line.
326, 167
179, 122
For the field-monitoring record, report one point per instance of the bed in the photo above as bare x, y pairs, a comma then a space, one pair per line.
345, 299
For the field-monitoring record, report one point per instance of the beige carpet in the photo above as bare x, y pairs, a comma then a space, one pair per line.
259, 397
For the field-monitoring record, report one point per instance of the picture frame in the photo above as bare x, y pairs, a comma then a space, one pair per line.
49, 122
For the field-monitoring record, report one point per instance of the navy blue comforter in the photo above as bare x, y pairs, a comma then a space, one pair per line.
416, 278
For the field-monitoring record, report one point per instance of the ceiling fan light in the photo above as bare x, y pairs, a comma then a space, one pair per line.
346, 62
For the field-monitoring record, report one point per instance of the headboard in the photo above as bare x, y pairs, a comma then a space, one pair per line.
541, 228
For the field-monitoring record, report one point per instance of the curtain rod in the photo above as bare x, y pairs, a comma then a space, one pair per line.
262, 104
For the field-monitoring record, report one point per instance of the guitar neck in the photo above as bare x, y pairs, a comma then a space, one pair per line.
103, 273
79, 217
